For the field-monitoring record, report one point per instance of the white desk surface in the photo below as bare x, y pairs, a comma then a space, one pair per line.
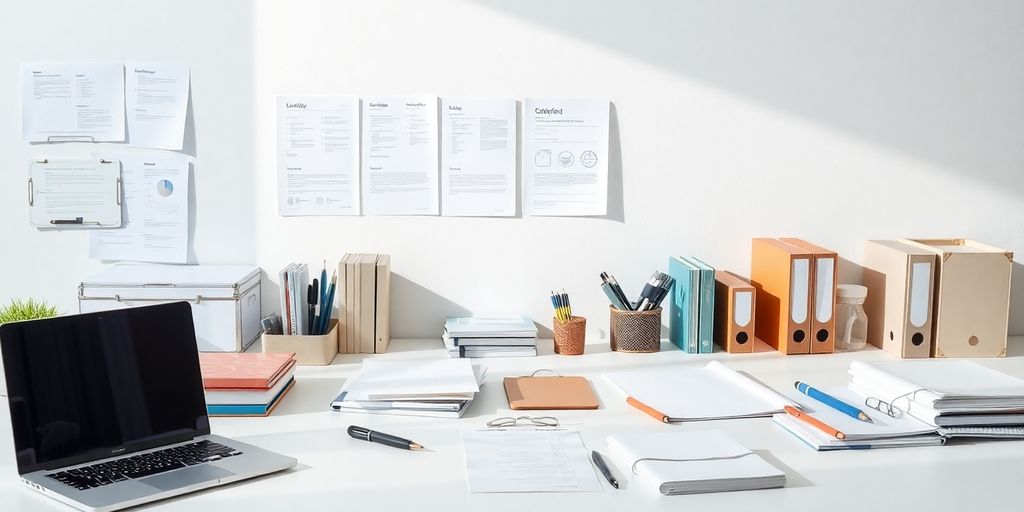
336, 472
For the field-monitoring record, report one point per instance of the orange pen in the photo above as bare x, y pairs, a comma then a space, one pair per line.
814, 422
648, 410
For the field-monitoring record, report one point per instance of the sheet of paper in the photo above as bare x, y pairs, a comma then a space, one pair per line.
478, 157
528, 460
155, 210
74, 193
317, 155
72, 102
565, 156
399, 166
156, 100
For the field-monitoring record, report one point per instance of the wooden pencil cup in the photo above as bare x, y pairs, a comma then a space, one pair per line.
635, 331
570, 335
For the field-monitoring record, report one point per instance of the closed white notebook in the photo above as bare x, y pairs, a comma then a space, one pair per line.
418, 379
693, 462
697, 393
945, 385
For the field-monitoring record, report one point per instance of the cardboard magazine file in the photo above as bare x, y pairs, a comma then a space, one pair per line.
972, 297
900, 278
781, 274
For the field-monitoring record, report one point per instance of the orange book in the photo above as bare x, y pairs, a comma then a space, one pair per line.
781, 275
231, 370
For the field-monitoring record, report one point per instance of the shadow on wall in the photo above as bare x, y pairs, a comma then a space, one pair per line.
906, 75
413, 305
1017, 300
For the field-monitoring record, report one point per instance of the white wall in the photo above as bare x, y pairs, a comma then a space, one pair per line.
832, 121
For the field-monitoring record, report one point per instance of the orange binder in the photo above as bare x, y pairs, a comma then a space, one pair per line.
824, 274
548, 393
734, 313
781, 274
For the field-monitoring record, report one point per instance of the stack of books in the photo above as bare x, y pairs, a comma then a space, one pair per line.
241, 384
490, 336
441, 388
691, 318
364, 307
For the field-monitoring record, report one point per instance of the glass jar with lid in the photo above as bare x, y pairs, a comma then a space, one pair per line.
851, 320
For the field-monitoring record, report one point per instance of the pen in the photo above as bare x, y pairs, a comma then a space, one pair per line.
323, 288
311, 293
814, 422
601, 465
325, 316
832, 401
568, 306
365, 434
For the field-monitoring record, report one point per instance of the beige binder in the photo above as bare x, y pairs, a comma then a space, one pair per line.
367, 302
900, 280
972, 298
352, 294
382, 316
734, 313
341, 289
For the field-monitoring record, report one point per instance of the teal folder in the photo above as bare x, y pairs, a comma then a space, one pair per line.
706, 314
683, 305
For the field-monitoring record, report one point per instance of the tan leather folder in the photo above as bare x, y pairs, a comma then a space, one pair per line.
734, 313
549, 393
781, 274
824, 274
900, 280
972, 298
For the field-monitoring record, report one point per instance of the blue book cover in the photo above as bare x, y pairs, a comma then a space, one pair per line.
248, 409
706, 314
682, 319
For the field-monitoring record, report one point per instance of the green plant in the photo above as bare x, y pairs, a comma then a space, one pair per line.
26, 310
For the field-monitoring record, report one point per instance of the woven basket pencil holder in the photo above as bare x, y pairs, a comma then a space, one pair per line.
636, 331
570, 335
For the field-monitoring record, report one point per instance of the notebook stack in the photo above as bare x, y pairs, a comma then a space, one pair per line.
962, 398
243, 384
364, 281
692, 306
441, 388
490, 336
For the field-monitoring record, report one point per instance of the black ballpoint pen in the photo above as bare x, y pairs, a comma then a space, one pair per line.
365, 434
311, 296
600, 463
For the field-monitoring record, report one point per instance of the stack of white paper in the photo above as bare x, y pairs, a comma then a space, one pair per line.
490, 336
694, 462
711, 392
944, 392
441, 388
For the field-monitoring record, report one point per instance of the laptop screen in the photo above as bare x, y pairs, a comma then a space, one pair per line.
87, 387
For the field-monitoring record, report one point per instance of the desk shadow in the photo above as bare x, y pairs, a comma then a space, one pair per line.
793, 478
309, 396
1017, 300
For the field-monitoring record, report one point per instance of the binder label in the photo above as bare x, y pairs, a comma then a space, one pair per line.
744, 303
920, 274
823, 286
799, 283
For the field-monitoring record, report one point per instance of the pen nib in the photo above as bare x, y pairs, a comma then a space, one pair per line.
416, 446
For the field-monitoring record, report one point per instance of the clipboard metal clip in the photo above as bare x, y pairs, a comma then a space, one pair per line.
31, 193
70, 138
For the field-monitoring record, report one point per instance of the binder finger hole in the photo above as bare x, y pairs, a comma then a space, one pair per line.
891, 336
917, 339
741, 338
972, 341
799, 335
822, 335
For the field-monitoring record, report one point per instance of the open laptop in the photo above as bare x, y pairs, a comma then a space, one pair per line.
108, 412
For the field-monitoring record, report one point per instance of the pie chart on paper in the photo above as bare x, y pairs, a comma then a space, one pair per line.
165, 187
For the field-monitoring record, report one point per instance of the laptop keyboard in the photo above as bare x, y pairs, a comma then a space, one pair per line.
144, 464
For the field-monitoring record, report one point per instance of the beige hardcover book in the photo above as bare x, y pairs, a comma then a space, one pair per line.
353, 309
367, 301
972, 298
900, 280
339, 291
382, 317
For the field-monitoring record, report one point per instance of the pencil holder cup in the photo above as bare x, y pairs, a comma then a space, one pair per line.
636, 331
570, 335
309, 350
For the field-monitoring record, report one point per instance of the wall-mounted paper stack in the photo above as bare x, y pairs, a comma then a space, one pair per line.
694, 462
441, 388
490, 336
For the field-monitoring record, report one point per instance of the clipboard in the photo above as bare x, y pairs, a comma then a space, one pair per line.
549, 393
74, 193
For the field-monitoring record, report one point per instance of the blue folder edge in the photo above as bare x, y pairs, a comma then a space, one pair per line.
249, 409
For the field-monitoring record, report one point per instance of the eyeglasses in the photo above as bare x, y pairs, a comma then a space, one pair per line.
524, 421
884, 407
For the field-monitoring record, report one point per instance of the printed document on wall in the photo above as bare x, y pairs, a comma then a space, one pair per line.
318, 155
478, 157
156, 100
72, 102
565, 156
155, 210
399, 168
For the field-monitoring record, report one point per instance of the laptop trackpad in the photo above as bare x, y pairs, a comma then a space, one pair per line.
185, 477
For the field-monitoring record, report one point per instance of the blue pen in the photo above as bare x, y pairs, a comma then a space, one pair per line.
325, 316
832, 401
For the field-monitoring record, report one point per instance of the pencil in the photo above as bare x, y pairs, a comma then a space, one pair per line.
814, 422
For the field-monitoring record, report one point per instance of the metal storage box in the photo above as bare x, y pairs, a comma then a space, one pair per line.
225, 299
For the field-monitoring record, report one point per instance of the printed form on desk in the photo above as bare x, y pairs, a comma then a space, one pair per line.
528, 460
